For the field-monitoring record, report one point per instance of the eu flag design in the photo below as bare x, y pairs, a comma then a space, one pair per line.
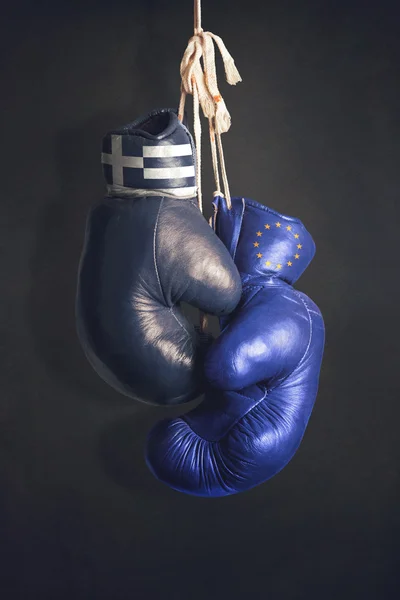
293, 249
269, 243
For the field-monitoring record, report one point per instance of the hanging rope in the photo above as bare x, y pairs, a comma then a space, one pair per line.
200, 80
202, 84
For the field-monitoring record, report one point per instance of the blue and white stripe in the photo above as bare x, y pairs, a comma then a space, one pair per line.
135, 163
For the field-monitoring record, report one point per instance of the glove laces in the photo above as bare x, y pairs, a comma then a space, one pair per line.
200, 80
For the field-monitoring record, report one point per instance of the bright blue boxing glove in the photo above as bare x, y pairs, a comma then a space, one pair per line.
263, 369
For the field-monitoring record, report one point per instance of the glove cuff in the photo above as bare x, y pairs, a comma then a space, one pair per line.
152, 156
261, 241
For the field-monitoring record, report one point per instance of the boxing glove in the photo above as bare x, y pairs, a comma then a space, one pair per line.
147, 249
263, 369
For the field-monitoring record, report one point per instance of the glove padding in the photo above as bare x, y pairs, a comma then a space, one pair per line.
147, 250
263, 368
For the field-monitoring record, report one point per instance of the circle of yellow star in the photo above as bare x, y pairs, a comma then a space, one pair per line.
297, 255
296, 235
289, 227
259, 255
256, 244
289, 264
267, 226
278, 224
279, 266
259, 234
268, 263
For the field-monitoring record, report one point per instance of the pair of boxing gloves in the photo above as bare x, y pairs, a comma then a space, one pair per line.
147, 249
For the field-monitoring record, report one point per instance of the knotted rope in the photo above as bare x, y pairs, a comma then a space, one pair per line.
200, 80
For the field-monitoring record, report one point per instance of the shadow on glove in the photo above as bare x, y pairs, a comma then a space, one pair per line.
263, 369
147, 249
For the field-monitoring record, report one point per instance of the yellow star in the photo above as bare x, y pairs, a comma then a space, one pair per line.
278, 224
279, 266
259, 234
289, 227
268, 263
297, 255
289, 264
256, 244
259, 255
299, 246
267, 226
296, 235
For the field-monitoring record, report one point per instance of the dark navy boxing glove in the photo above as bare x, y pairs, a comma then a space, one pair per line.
263, 368
148, 248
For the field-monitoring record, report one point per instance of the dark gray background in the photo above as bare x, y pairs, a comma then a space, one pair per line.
316, 135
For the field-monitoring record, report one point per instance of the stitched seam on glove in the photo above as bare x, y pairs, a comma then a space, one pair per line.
311, 327
154, 251
232, 425
272, 279
240, 228
250, 409
258, 289
171, 310
272, 211
280, 381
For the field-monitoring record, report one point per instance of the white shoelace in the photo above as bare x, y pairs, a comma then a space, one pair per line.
202, 84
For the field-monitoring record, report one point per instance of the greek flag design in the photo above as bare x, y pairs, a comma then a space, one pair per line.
132, 162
